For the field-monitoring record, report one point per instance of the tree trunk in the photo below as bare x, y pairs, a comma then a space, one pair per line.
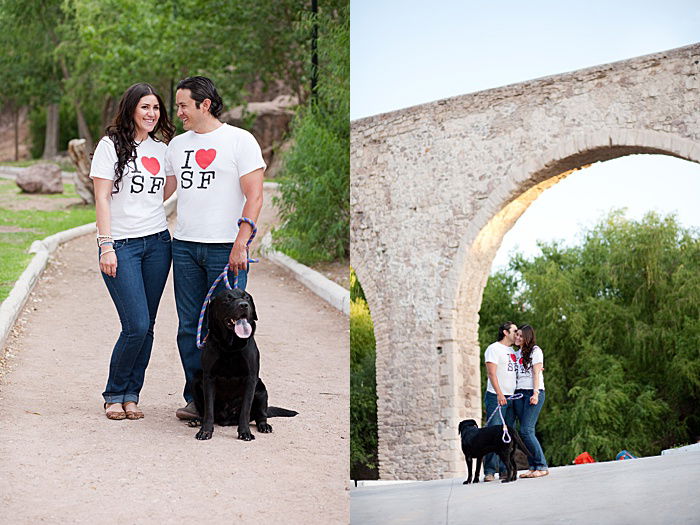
16, 119
52, 130
83, 183
83, 129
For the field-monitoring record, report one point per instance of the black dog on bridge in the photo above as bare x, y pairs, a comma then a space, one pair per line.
228, 390
477, 442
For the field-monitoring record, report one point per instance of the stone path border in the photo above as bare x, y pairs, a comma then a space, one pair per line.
332, 293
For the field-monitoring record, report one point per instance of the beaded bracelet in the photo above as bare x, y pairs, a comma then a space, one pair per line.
107, 251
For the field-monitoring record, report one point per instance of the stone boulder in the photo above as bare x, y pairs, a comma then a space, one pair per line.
41, 178
271, 120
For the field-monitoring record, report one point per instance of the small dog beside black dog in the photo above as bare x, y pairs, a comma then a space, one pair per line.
228, 390
477, 442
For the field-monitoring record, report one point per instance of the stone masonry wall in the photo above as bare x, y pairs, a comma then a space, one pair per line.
434, 189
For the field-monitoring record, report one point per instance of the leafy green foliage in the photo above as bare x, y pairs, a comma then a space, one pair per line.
618, 319
363, 387
315, 191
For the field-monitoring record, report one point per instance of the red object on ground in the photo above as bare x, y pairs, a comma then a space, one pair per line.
584, 458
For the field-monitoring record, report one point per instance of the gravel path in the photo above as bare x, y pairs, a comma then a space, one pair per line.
62, 461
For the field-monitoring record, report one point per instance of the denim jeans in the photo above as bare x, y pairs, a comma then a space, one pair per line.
527, 414
143, 264
492, 462
196, 266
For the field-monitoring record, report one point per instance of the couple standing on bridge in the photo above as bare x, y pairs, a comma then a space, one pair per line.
217, 170
516, 385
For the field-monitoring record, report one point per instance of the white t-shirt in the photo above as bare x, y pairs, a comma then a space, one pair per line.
525, 380
504, 357
208, 167
136, 209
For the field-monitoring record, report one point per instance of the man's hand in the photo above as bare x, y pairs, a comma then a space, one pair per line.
238, 258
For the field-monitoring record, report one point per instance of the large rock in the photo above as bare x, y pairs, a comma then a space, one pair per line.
271, 122
41, 178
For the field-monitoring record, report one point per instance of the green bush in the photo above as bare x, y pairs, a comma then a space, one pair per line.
363, 388
315, 189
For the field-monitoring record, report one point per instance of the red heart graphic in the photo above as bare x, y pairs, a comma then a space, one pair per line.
520, 360
151, 164
512, 357
204, 157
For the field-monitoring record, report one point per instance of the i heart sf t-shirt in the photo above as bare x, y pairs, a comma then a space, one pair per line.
505, 360
525, 379
137, 208
208, 167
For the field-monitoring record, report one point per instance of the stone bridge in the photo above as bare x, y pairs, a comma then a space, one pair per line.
435, 188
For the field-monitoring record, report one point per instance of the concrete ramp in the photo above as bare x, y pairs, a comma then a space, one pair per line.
653, 490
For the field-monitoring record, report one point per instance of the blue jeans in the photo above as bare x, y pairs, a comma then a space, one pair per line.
196, 266
527, 414
143, 264
492, 462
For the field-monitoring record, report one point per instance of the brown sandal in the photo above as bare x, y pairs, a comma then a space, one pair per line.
132, 414
114, 414
527, 474
539, 473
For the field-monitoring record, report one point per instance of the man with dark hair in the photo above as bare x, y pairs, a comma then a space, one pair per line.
500, 367
219, 171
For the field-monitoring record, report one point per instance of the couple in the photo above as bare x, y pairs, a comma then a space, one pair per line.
509, 374
217, 170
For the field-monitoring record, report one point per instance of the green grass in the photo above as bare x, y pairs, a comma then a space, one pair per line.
34, 224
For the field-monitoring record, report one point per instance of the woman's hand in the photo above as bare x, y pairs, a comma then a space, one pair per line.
108, 263
535, 398
502, 399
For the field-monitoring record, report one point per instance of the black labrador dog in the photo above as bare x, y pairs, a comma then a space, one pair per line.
228, 390
477, 442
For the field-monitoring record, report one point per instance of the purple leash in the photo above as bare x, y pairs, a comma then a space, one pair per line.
506, 435
224, 276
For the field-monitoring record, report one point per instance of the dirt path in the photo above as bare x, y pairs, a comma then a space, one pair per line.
62, 461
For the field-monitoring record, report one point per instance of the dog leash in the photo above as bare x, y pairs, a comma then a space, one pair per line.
506, 436
224, 275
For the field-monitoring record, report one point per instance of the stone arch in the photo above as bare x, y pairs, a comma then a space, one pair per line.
427, 183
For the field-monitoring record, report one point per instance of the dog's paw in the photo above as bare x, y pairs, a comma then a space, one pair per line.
204, 434
466, 482
264, 428
246, 436
194, 423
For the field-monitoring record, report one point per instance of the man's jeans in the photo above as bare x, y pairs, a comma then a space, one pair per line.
527, 414
143, 264
196, 266
492, 462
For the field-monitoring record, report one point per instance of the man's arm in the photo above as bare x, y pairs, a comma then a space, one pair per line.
252, 186
491, 372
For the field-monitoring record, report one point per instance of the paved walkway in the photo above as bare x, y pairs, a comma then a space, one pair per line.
62, 461
655, 490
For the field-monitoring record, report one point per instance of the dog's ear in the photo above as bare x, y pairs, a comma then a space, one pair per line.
254, 313
214, 326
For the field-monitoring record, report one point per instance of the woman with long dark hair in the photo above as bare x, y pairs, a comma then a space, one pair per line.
132, 235
530, 383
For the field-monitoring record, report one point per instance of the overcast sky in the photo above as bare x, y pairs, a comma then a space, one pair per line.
405, 53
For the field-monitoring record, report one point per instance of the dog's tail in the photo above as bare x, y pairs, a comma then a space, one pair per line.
519, 442
280, 412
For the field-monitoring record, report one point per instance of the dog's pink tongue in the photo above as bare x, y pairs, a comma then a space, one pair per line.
243, 329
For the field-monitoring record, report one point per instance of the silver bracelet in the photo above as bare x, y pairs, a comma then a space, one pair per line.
107, 251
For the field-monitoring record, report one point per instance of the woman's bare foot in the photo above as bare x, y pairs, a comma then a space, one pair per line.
114, 411
132, 411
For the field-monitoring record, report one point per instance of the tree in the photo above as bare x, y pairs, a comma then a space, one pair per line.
315, 188
618, 319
